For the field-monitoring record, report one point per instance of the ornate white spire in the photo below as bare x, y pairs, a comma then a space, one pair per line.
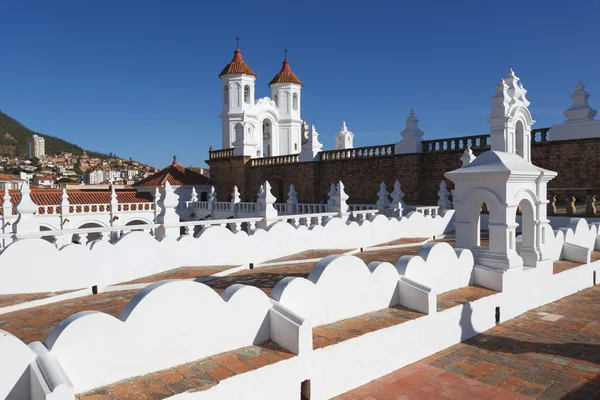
194, 196
411, 136
467, 157
235, 195
212, 195
292, 195
412, 129
344, 139
444, 202
383, 202
312, 147
580, 110
397, 196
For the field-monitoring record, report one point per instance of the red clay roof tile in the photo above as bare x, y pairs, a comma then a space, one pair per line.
237, 65
286, 75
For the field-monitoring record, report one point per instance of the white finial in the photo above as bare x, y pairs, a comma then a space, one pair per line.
292, 195
580, 110
7, 204
397, 196
331, 194
443, 195
412, 130
340, 199
212, 195
312, 147
26, 205
194, 196
383, 202
235, 195
113, 194
169, 199
467, 157
344, 126
64, 197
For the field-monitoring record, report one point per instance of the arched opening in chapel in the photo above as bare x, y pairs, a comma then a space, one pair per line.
480, 233
83, 238
136, 222
525, 232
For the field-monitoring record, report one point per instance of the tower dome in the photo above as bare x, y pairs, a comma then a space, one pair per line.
237, 65
286, 75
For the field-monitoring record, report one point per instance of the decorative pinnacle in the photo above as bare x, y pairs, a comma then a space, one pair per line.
237, 42
344, 126
580, 86
411, 112
285, 53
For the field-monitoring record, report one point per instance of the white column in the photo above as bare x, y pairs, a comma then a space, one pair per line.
26, 209
168, 215
265, 203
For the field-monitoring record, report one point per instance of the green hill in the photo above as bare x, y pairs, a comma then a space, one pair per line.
13, 140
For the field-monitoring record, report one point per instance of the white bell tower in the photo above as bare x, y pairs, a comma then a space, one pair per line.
237, 85
286, 92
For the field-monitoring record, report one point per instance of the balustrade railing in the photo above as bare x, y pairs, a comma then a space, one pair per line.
131, 207
277, 160
89, 208
425, 210
359, 207
49, 210
246, 207
215, 154
358, 152
540, 135
580, 202
476, 142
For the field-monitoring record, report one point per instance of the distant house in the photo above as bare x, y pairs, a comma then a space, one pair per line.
46, 181
10, 181
182, 179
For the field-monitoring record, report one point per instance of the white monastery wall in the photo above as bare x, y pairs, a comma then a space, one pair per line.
35, 265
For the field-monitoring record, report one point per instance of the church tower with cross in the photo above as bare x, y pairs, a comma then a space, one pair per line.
263, 127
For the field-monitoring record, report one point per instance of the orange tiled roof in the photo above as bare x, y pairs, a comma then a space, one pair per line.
8, 177
286, 75
176, 175
237, 65
45, 197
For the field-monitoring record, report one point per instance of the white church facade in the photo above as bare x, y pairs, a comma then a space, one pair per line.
263, 127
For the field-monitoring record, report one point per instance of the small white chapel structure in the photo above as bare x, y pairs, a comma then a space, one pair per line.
504, 179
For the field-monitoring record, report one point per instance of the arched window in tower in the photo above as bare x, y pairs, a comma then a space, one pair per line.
295, 102
520, 140
276, 99
246, 94
225, 95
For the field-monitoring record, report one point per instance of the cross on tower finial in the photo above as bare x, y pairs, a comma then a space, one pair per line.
237, 42
285, 53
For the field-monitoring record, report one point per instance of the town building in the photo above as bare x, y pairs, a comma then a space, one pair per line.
36, 147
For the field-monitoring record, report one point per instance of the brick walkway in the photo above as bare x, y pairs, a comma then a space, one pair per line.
307, 255
13, 299
326, 335
563, 265
35, 323
182, 273
264, 278
552, 352
192, 377
460, 296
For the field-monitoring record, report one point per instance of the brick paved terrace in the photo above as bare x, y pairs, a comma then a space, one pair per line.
191, 377
552, 352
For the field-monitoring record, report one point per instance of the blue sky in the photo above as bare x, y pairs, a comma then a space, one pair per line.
140, 78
